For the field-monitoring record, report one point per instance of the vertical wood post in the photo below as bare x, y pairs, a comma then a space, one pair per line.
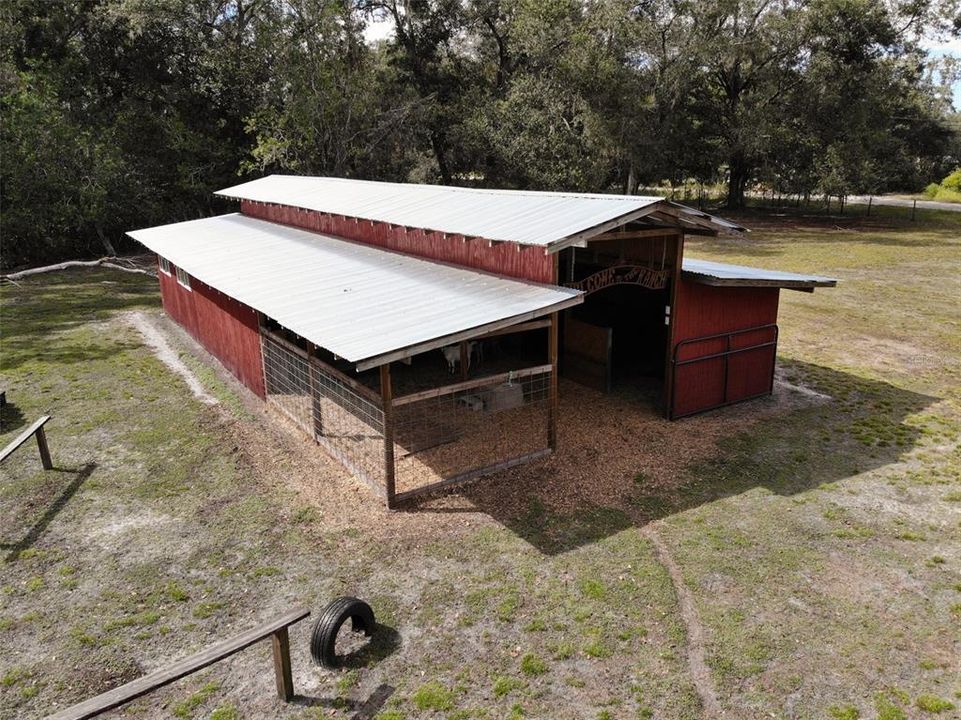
44, 450
387, 396
464, 360
280, 643
316, 406
668, 399
552, 403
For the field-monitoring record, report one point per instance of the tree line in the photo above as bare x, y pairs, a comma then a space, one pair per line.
118, 114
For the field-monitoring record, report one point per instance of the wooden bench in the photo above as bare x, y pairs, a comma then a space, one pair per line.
35, 429
276, 630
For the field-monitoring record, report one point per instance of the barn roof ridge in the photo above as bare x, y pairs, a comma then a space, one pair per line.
549, 219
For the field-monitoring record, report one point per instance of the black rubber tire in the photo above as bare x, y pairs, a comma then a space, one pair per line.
324, 635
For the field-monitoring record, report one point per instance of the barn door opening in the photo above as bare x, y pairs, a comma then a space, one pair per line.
616, 340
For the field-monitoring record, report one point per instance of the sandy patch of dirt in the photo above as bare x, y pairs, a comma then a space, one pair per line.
157, 342
695, 651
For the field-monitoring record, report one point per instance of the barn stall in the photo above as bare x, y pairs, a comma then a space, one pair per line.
356, 345
416, 333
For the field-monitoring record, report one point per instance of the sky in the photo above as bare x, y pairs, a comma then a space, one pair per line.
946, 48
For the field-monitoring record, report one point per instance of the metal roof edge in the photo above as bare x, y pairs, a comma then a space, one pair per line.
434, 344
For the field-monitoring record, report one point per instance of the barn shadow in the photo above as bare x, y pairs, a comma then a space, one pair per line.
837, 426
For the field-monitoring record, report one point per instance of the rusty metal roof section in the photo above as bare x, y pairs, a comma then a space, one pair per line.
707, 272
549, 219
364, 304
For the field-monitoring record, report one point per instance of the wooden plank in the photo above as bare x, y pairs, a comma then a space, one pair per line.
469, 384
633, 234
387, 393
283, 342
148, 683
585, 235
280, 647
522, 327
23, 437
472, 474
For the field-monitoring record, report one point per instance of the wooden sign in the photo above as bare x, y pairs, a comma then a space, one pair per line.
623, 275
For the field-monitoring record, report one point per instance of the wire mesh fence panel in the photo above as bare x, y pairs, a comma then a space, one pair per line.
287, 380
457, 433
347, 423
350, 425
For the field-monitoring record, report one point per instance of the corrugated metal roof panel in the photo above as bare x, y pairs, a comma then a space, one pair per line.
356, 301
715, 273
526, 217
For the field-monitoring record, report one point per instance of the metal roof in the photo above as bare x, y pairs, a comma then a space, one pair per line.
527, 217
361, 303
715, 273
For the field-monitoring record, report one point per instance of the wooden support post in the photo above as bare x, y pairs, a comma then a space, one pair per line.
464, 360
44, 450
552, 403
387, 398
280, 642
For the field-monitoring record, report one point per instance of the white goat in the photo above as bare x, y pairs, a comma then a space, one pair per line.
452, 355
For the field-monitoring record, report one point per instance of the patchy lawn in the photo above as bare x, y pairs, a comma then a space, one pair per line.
819, 538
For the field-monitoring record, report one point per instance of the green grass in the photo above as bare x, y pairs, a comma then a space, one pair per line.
531, 665
933, 704
794, 534
433, 696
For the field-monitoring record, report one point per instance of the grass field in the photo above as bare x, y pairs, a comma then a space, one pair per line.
818, 535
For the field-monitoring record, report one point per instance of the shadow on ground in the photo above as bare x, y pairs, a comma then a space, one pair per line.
792, 442
365, 710
48, 304
80, 476
11, 417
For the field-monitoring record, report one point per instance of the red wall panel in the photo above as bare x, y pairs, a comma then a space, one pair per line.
702, 310
227, 329
504, 258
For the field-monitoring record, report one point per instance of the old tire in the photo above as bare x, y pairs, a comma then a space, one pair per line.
324, 635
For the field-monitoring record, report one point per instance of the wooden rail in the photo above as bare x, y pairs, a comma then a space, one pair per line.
276, 630
470, 384
35, 429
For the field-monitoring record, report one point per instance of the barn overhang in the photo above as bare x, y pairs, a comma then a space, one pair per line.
707, 272
364, 304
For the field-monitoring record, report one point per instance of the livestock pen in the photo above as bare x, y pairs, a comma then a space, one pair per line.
417, 332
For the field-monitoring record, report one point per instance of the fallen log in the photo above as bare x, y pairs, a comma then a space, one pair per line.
109, 262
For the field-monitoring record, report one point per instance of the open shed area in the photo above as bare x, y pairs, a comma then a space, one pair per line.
813, 531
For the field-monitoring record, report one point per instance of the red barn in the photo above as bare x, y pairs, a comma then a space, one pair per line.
348, 304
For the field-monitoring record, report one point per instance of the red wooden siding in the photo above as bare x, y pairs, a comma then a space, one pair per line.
702, 310
503, 258
229, 330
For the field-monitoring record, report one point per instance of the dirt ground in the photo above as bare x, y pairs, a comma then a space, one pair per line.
816, 534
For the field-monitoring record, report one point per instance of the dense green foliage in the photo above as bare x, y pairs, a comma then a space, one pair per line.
948, 190
123, 113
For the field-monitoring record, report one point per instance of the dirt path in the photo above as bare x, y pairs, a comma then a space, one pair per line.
167, 355
700, 673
